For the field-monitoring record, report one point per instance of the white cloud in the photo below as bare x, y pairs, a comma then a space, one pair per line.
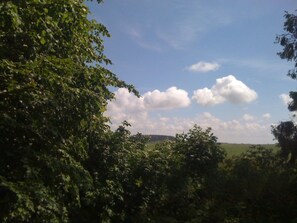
207, 97
128, 101
142, 114
226, 89
169, 99
248, 117
266, 116
203, 67
256, 130
236, 131
126, 104
286, 98
234, 90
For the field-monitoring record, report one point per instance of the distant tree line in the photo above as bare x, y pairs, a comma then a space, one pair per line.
157, 138
60, 161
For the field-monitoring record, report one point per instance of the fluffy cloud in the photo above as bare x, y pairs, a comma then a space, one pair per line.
203, 67
147, 115
286, 98
169, 99
226, 89
126, 106
152, 100
207, 97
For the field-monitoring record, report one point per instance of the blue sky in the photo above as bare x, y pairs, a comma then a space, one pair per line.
210, 63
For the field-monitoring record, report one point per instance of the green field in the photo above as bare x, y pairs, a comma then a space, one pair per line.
233, 149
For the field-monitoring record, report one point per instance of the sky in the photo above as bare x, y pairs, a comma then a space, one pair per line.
213, 63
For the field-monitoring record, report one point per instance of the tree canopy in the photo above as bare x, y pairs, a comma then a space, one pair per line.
53, 93
286, 132
288, 41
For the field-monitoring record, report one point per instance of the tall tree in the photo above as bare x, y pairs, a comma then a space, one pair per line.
288, 41
286, 132
53, 92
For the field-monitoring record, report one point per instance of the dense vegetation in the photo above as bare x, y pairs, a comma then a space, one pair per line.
158, 138
60, 162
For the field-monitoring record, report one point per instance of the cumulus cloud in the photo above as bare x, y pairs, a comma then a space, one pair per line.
169, 99
128, 101
207, 97
126, 106
226, 89
153, 100
147, 115
286, 98
203, 67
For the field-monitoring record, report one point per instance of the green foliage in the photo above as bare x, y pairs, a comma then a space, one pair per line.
286, 132
53, 93
288, 41
201, 151
293, 104
196, 156
136, 183
286, 135
253, 187
234, 149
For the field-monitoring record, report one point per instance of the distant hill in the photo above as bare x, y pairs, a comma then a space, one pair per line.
157, 138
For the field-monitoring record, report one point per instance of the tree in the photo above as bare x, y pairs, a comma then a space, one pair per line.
288, 41
286, 132
286, 135
201, 151
196, 156
53, 92
253, 187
